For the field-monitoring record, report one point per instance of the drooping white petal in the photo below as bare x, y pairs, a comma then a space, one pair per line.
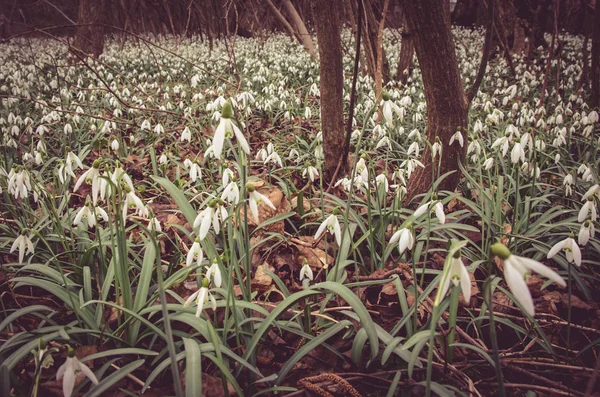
540, 269
518, 286
439, 212
556, 249
88, 372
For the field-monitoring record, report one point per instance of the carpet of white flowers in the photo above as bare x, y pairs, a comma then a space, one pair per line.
128, 256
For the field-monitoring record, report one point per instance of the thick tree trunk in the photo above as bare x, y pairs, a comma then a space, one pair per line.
446, 103
327, 21
89, 35
407, 50
595, 72
305, 37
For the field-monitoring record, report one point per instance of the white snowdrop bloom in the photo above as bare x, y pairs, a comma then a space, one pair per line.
69, 370
488, 163
227, 129
133, 201
255, 198
119, 177
294, 155
570, 247
146, 126
195, 254
593, 192
457, 273
503, 143
24, 244
405, 238
162, 160
68, 129
202, 296
186, 135
213, 215
262, 154
195, 81
381, 180
90, 213
517, 270
517, 153
154, 225
589, 208
384, 142
274, 158
433, 205
91, 177
311, 171
436, 149
214, 272
414, 134
306, 273
410, 165
586, 231
72, 159
388, 109
158, 129
593, 117
307, 113
332, 225
413, 149
19, 183
114, 145
457, 137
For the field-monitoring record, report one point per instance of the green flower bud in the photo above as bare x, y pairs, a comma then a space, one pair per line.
205, 282
227, 110
386, 96
70, 351
500, 250
96, 163
249, 187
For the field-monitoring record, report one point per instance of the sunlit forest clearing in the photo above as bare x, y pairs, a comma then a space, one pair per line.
210, 215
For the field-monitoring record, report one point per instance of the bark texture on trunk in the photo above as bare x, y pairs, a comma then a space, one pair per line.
327, 21
595, 72
305, 37
407, 49
89, 35
447, 110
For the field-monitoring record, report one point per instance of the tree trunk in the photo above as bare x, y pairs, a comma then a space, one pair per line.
447, 110
327, 21
595, 72
305, 37
281, 19
407, 49
89, 35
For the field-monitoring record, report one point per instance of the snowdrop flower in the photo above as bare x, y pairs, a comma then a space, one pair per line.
589, 208
119, 176
572, 251
434, 205
43, 356
274, 158
162, 160
158, 129
405, 238
214, 272
455, 271
517, 270
410, 165
306, 275
114, 145
389, 107
457, 137
213, 215
413, 148
19, 182
69, 370
71, 160
586, 231
146, 125
194, 169
384, 141
202, 296
91, 213
133, 201
488, 163
568, 184
593, 192
332, 225
517, 153
91, 177
503, 143
154, 225
311, 171
256, 198
186, 135
226, 129
294, 155
436, 148
231, 192
194, 254
381, 180
24, 244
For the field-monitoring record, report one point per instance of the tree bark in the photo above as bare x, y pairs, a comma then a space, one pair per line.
305, 37
281, 18
89, 35
447, 110
407, 49
595, 72
327, 21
